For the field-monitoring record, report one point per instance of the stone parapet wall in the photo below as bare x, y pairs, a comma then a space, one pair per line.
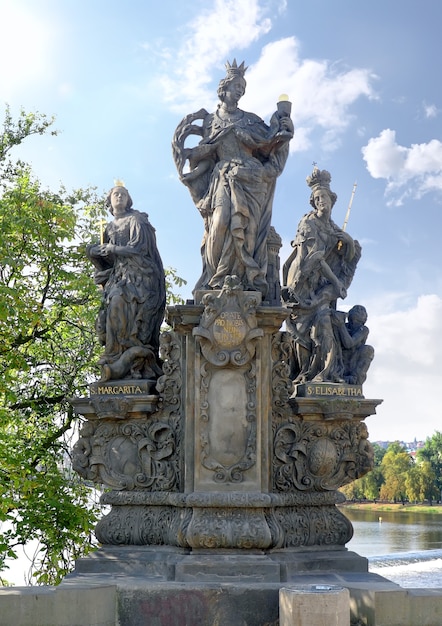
108, 601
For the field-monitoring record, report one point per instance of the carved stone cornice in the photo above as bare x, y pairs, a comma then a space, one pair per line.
332, 407
118, 406
210, 499
184, 317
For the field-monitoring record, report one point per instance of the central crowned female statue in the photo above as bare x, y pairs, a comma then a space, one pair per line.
232, 178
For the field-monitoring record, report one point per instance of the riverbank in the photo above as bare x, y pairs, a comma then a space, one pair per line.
435, 509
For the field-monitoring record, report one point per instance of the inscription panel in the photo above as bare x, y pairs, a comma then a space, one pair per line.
229, 329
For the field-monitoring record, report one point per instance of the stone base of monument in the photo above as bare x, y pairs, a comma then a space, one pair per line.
166, 563
222, 479
163, 585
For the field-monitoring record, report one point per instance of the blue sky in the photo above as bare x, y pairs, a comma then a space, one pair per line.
364, 80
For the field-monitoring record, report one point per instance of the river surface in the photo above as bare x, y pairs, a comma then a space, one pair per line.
403, 547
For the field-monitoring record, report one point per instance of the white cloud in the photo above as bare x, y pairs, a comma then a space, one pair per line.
410, 337
209, 41
411, 171
430, 110
405, 372
321, 93
384, 158
25, 48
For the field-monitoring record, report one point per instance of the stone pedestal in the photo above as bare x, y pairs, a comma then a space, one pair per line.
222, 456
314, 605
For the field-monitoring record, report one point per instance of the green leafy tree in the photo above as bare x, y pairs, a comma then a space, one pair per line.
379, 453
420, 483
47, 305
367, 487
428, 481
432, 453
372, 482
353, 490
413, 485
48, 354
396, 465
173, 281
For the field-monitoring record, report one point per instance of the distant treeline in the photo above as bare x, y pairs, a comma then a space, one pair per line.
398, 477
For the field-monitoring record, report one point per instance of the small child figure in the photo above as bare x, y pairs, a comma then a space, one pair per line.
356, 355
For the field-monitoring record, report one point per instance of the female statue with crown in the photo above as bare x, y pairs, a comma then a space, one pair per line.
232, 176
129, 269
317, 273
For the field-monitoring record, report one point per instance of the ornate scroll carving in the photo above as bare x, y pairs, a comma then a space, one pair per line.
128, 455
315, 456
107, 407
228, 329
228, 528
281, 383
302, 526
216, 450
169, 385
143, 525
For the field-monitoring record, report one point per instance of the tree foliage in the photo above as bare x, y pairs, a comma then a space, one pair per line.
432, 453
47, 310
48, 354
395, 465
396, 477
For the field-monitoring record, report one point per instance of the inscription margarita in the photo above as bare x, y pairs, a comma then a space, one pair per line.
116, 389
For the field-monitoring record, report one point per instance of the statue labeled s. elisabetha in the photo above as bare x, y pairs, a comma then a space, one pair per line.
319, 272
231, 178
129, 269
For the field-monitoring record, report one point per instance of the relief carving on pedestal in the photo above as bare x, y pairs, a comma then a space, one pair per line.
228, 453
127, 455
293, 527
314, 456
228, 330
227, 336
169, 385
282, 386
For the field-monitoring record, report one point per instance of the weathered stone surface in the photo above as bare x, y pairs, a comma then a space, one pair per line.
314, 605
226, 456
186, 603
117, 594
79, 604
205, 565
129, 269
329, 346
232, 177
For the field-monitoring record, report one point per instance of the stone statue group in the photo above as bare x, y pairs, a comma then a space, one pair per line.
231, 175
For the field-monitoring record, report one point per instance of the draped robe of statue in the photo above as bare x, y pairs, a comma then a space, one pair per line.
134, 297
232, 180
317, 273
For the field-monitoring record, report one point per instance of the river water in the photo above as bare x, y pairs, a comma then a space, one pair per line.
403, 547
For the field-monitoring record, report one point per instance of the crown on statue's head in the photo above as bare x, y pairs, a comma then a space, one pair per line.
119, 183
319, 178
235, 70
